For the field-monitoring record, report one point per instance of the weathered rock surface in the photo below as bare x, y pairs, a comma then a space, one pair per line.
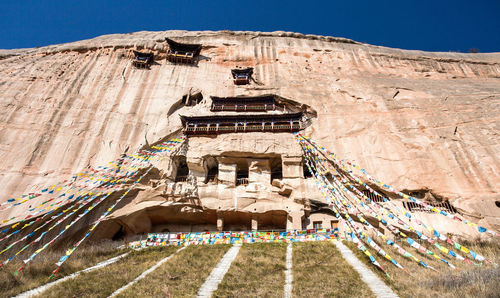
415, 120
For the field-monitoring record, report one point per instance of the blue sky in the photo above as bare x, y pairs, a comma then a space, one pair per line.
424, 25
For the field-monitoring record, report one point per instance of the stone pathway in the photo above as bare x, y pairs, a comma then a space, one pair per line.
213, 280
145, 273
378, 287
288, 272
41, 289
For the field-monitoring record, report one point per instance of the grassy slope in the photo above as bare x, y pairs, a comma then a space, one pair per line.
468, 281
37, 272
257, 271
104, 281
319, 270
182, 275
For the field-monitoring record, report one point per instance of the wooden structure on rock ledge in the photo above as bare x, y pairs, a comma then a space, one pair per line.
182, 52
242, 76
142, 60
263, 113
210, 125
246, 104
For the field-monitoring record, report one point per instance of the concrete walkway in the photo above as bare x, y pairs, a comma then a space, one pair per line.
288, 272
43, 288
378, 287
213, 280
145, 273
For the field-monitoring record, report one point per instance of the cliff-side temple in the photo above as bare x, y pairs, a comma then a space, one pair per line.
260, 184
242, 76
142, 60
260, 133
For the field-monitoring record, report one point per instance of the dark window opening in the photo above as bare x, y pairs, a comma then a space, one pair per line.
317, 225
182, 172
276, 168
242, 174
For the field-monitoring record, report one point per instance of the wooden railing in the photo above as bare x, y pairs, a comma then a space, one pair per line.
242, 107
179, 56
241, 181
181, 178
242, 128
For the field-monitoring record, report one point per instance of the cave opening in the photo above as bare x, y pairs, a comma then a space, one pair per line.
305, 170
276, 166
211, 169
182, 169
242, 173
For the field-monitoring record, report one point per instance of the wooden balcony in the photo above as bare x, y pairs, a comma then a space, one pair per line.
241, 181
181, 57
217, 124
244, 107
214, 130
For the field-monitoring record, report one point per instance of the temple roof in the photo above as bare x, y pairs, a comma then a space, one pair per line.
238, 71
184, 47
242, 118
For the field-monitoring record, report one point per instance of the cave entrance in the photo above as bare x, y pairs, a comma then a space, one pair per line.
242, 172
211, 169
276, 166
305, 170
182, 169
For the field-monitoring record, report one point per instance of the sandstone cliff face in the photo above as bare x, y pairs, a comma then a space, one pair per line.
416, 120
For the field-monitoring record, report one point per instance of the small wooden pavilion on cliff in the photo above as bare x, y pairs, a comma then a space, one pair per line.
182, 52
142, 60
242, 76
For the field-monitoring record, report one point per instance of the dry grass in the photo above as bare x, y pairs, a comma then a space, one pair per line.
182, 275
38, 271
468, 281
257, 271
104, 281
319, 270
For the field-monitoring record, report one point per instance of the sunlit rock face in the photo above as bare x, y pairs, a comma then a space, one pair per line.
419, 121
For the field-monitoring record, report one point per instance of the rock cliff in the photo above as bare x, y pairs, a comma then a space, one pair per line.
423, 122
